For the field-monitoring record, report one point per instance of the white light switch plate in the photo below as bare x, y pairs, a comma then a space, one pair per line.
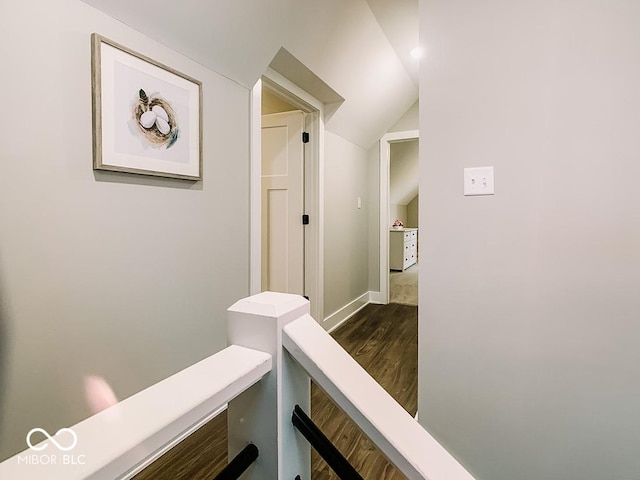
478, 181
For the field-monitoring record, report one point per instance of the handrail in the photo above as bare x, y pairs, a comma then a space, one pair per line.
398, 435
323, 445
118, 441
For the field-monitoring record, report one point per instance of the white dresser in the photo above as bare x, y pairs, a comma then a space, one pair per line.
403, 248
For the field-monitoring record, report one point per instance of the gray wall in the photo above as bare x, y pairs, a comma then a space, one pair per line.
346, 240
413, 212
529, 359
398, 212
113, 275
403, 172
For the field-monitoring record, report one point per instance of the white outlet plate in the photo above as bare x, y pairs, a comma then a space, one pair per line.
478, 181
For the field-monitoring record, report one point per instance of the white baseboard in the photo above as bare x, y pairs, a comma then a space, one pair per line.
336, 319
376, 297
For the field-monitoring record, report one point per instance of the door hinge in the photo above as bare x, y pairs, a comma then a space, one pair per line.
305, 137
305, 219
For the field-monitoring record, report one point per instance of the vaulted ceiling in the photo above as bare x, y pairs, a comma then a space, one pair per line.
399, 22
350, 44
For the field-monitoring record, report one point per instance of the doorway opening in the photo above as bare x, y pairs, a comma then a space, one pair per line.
275, 100
405, 241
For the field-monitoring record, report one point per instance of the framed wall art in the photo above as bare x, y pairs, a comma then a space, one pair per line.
147, 117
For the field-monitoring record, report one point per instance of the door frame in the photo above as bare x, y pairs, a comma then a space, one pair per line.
313, 186
385, 164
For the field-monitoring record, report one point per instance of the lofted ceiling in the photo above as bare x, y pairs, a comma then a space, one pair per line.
399, 22
350, 45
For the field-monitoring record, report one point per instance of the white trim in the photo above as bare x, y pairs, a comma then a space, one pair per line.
255, 196
339, 317
314, 202
314, 185
376, 298
292, 92
385, 154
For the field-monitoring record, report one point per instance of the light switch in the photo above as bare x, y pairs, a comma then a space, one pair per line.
478, 181
359, 202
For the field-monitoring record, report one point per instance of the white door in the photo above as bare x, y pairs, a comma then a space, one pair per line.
283, 202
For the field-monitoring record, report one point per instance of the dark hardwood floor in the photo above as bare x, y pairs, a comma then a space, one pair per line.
381, 338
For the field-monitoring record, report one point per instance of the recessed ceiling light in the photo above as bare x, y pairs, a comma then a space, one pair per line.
416, 53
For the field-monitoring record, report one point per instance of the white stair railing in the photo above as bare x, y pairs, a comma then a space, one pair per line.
120, 441
276, 347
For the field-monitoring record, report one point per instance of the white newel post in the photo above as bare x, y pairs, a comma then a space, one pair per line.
262, 414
